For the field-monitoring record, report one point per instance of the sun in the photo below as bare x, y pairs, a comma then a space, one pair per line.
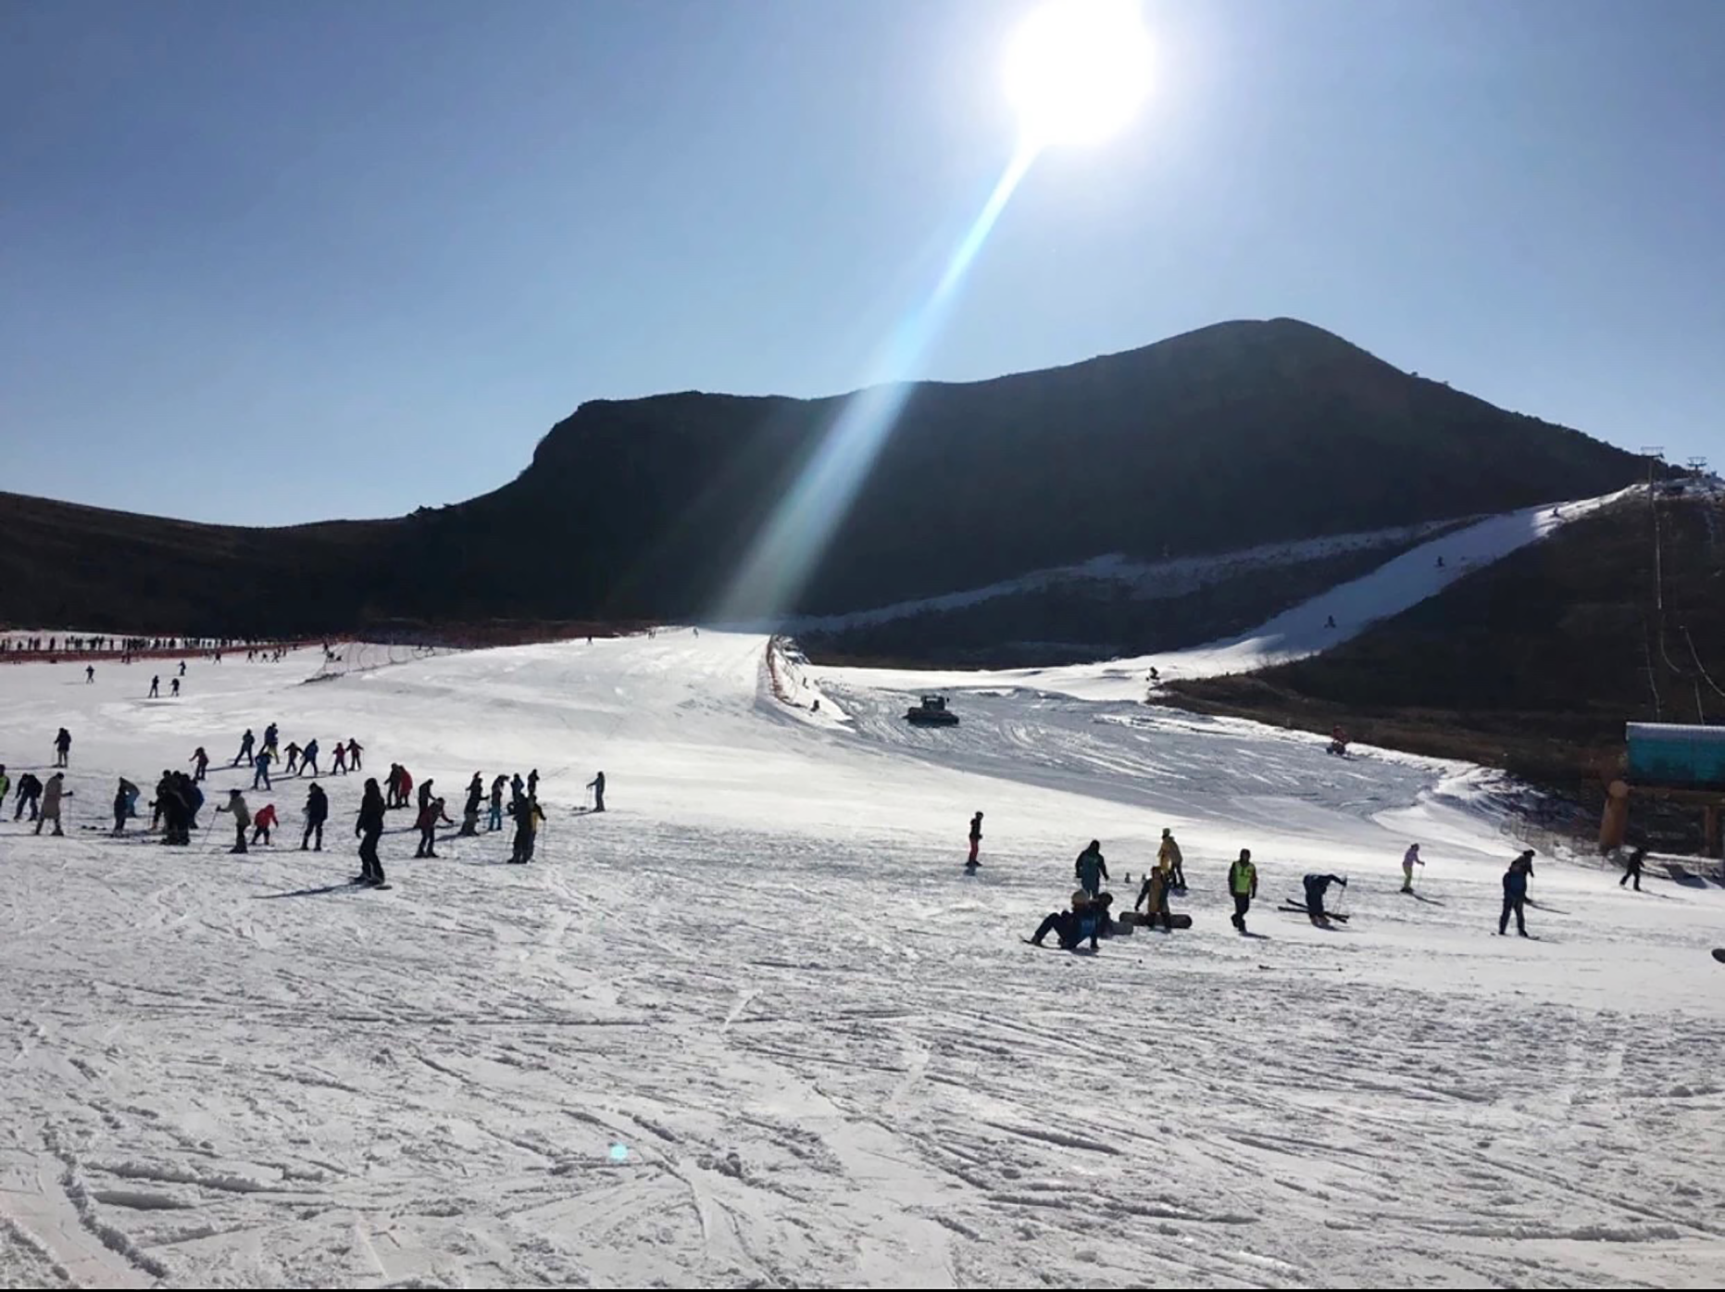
1077, 70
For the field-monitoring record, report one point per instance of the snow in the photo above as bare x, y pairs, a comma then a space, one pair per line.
1296, 633
752, 1025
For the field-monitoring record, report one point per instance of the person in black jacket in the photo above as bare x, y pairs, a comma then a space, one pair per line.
29, 796
316, 813
1515, 895
369, 828
1632, 869
1316, 885
975, 839
470, 813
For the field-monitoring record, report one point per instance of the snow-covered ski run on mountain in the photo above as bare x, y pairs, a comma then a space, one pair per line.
755, 1025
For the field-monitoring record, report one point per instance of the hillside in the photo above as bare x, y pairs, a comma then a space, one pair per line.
1236, 435
1534, 663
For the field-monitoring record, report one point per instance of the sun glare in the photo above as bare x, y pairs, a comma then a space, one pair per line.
1077, 70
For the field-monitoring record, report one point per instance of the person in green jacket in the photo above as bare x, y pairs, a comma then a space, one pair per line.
1243, 884
1090, 869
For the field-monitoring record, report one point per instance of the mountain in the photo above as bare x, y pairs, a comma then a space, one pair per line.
1235, 435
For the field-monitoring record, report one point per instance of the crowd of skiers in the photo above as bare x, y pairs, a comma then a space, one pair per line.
179, 800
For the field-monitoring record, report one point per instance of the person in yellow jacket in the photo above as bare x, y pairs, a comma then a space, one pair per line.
1243, 884
1171, 863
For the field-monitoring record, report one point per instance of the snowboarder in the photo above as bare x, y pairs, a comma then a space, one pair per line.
597, 785
1153, 896
495, 819
89, 673
1515, 895
1632, 868
1169, 858
262, 766
203, 763
430, 813
470, 813
1410, 859
369, 829
245, 754
292, 764
1073, 926
1316, 886
354, 749
174, 687
29, 796
975, 839
242, 817
63, 748
263, 823
308, 758
316, 813
1090, 868
52, 793
156, 687
1243, 884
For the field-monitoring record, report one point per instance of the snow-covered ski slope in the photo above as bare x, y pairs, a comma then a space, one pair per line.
752, 1025
1302, 630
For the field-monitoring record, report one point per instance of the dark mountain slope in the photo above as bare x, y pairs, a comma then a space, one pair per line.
1236, 434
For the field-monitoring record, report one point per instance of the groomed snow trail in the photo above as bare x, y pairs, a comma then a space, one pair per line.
752, 1025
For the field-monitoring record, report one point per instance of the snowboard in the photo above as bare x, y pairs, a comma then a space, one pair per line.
1297, 909
1178, 919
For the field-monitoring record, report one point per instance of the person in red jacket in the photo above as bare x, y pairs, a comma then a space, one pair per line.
263, 823
429, 816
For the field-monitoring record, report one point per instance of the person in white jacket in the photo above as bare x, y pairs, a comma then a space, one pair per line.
1410, 859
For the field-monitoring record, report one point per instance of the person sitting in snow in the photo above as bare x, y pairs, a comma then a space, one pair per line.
1085, 919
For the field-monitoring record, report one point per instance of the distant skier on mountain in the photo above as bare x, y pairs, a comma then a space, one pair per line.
1316, 886
1410, 859
1243, 887
316, 813
975, 839
89, 672
369, 829
1631, 870
597, 785
1090, 868
156, 687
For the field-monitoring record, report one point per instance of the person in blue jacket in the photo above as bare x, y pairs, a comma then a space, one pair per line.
1515, 894
1085, 919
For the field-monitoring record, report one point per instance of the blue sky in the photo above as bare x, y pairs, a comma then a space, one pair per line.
270, 262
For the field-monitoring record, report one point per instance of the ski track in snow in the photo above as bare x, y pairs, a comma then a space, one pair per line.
753, 1025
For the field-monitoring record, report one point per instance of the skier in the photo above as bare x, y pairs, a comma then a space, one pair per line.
429, 815
368, 829
1515, 895
89, 673
393, 783
470, 813
263, 767
316, 813
425, 792
182, 668
354, 749
125, 796
172, 802
1330, 622
292, 764
533, 784
52, 793
338, 763
174, 687
1085, 919
29, 796
308, 758
202, 760
1632, 868
242, 817
5, 784
245, 754
1243, 884
597, 785
1410, 859
1169, 858
156, 687
495, 820
517, 789
975, 839
270, 734
63, 748
1316, 886
263, 823
1090, 868
527, 818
